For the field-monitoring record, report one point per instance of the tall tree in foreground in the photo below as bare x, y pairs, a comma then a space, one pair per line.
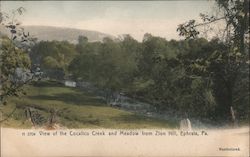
14, 59
228, 65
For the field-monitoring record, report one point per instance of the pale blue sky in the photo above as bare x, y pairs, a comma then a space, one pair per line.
113, 17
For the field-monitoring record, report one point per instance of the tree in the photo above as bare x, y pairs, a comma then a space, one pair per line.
225, 64
110, 65
166, 83
11, 59
53, 57
12, 54
14, 59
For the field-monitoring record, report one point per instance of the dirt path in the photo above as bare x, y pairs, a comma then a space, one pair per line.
233, 142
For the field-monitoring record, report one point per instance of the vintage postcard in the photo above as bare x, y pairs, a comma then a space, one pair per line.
124, 78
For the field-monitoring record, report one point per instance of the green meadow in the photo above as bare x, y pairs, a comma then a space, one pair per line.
76, 109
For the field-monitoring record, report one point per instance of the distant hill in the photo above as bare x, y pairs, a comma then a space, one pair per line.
49, 33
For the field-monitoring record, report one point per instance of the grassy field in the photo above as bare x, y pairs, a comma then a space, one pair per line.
77, 109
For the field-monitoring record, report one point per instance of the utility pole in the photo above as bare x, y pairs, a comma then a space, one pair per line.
1, 117
233, 116
0, 87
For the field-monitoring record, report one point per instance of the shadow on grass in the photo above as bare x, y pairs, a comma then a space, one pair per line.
139, 119
86, 120
73, 98
48, 84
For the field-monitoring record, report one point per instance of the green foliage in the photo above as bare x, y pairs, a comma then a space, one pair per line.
78, 109
12, 58
50, 62
53, 57
194, 76
188, 76
158, 71
227, 65
109, 65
